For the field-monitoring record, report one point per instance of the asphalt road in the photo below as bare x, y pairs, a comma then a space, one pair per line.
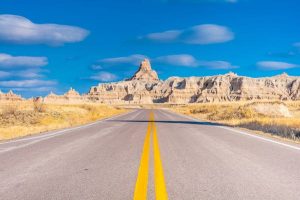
182, 158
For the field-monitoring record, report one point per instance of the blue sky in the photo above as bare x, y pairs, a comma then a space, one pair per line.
53, 45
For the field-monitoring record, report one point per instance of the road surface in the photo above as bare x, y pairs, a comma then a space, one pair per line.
132, 155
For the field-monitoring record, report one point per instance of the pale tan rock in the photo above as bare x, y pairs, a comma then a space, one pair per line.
145, 72
71, 96
145, 87
269, 109
10, 96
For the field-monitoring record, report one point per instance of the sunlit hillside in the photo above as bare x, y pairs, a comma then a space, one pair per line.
25, 118
277, 118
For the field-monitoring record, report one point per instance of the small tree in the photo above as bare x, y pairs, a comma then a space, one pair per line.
39, 105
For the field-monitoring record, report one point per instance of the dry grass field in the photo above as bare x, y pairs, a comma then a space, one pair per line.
277, 118
25, 118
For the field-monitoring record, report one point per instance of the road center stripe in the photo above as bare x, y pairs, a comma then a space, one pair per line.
141, 186
160, 185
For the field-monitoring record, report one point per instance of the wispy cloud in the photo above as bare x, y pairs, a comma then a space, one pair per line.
274, 65
282, 54
4, 74
297, 44
29, 73
292, 52
200, 34
217, 65
26, 83
20, 30
9, 61
177, 60
134, 59
34, 89
104, 76
165, 36
187, 60
96, 67
183, 60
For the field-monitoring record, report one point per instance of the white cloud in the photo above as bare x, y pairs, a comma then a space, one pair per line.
104, 77
200, 34
35, 89
20, 30
26, 83
96, 67
21, 74
4, 74
207, 34
28, 74
134, 59
9, 61
274, 65
217, 65
166, 36
185, 60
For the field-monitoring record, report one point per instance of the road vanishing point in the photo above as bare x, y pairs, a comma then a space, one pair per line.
149, 154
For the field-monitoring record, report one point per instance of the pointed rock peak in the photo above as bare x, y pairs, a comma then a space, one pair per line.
145, 72
72, 92
145, 65
284, 74
231, 74
52, 94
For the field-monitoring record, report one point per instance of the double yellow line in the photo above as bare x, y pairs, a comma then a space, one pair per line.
141, 186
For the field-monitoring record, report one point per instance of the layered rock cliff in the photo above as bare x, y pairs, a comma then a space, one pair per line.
10, 96
145, 88
71, 96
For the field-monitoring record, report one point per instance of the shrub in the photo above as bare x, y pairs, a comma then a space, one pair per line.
39, 106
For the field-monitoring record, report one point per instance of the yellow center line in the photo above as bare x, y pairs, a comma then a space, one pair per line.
141, 187
160, 185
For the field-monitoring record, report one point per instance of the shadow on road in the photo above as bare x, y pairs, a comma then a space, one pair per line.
169, 122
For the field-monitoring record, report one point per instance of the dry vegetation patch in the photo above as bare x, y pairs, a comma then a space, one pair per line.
26, 118
278, 118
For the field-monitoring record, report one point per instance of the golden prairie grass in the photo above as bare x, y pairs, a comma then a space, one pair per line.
27, 118
277, 118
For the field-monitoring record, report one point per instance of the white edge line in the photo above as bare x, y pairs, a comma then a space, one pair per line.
259, 137
60, 132
240, 132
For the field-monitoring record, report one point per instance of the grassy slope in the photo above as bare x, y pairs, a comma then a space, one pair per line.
21, 119
244, 114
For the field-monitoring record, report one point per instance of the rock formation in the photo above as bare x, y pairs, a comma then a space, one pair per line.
145, 88
10, 96
71, 96
145, 73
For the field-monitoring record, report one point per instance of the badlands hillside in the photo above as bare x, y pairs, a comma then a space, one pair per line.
146, 88
274, 107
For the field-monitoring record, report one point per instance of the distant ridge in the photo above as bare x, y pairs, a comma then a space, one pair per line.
145, 87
